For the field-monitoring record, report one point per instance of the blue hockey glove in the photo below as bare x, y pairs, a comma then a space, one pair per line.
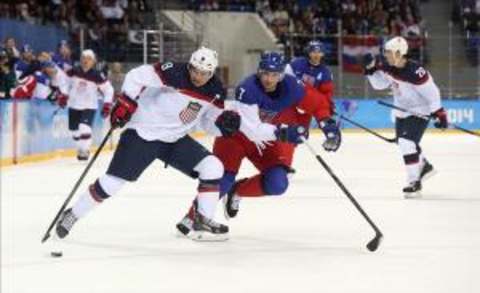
332, 134
290, 133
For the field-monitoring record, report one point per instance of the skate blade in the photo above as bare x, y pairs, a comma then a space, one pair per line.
224, 199
413, 195
207, 237
429, 175
179, 234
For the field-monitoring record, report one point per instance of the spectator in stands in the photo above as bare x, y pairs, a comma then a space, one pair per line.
63, 56
7, 75
411, 29
10, 46
25, 61
116, 77
5, 10
111, 9
396, 25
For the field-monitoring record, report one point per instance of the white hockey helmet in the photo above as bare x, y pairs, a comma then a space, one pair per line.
89, 53
397, 44
204, 59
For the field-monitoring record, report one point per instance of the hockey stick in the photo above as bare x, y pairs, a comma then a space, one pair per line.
375, 242
390, 140
427, 117
56, 111
79, 181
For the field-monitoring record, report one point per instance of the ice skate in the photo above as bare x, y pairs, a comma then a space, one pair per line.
231, 202
65, 223
83, 155
413, 190
427, 171
205, 229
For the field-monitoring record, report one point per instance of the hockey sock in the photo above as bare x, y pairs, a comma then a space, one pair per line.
251, 187
207, 198
411, 158
103, 188
84, 142
87, 201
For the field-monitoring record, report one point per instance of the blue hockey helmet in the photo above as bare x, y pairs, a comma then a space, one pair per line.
315, 46
272, 62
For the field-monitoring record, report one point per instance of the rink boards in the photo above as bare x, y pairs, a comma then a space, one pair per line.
37, 129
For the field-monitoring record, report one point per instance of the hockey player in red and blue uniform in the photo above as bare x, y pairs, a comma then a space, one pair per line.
276, 110
313, 71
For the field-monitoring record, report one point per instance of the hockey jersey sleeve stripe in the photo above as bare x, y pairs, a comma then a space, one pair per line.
418, 81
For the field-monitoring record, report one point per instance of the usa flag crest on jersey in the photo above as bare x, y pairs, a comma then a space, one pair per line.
190, 113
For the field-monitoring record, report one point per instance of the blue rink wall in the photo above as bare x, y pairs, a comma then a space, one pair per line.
464, 113
29, 129
36, 128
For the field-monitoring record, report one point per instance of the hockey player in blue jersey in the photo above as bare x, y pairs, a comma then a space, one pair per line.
276, 109
313, 71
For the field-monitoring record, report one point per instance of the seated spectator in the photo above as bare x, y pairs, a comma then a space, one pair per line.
111, 9
25, 61
10, 47
7, 75
63, 56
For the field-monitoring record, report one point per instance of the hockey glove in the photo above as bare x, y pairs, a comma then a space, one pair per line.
228, 122
440, 118
122, 111
290, 133
332, 134
106, 109
369, 64
62, 100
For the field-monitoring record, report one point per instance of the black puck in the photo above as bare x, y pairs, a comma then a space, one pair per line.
56, 254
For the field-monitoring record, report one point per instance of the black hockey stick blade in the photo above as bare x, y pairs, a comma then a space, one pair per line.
375, 242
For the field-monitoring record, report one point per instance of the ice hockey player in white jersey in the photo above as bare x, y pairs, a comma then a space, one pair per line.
413, 89
160, 105
82, 100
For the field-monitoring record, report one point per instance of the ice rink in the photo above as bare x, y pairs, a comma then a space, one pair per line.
309, 240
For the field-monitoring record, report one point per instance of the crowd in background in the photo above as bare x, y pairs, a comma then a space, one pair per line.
107, 24
393, 17
467, 14
292, 20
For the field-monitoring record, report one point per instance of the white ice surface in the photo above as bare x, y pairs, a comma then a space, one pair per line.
309, 240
